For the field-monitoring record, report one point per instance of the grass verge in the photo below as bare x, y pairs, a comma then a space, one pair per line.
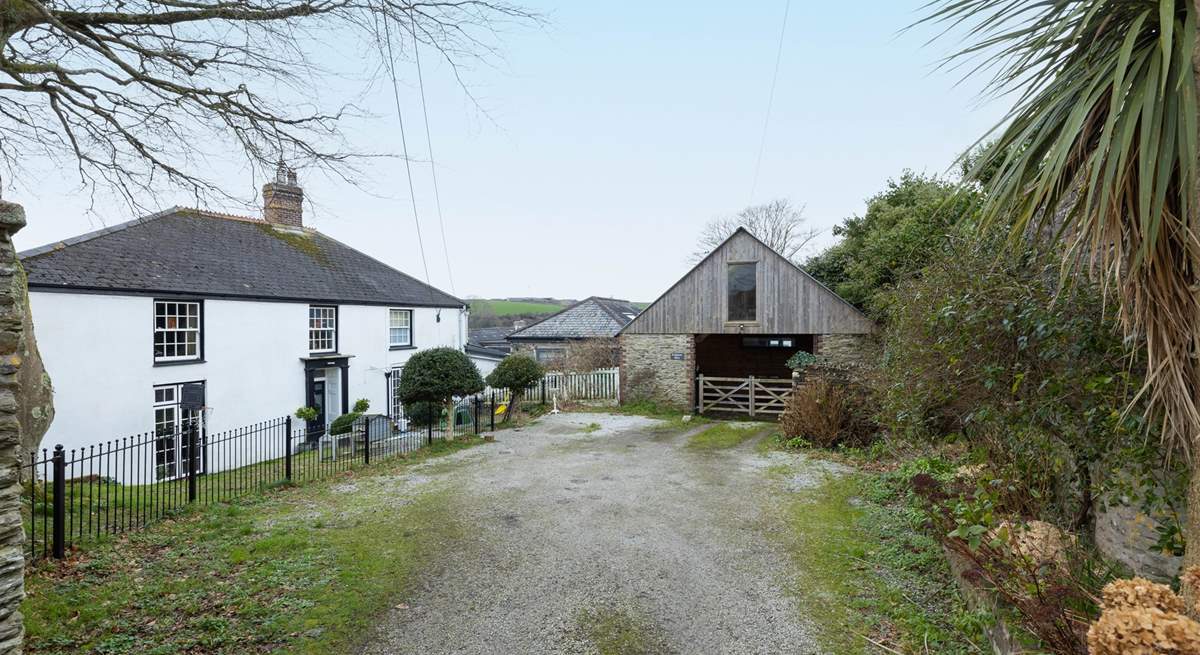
868, 575
302, 569
723, 436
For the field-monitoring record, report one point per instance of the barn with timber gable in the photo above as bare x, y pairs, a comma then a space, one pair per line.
726, 330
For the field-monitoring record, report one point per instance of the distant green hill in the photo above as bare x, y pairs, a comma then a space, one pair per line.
512, 307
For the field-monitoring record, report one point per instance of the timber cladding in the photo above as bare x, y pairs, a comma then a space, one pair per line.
789, 301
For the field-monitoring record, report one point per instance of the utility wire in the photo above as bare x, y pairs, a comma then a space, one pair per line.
762, 145
437, 196
412, 194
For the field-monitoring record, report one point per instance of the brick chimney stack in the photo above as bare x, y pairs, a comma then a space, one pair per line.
283, 199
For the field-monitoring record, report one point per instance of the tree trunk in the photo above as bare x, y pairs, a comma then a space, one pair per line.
450, 420
1083, 477
25, 411
1191, 528
514, 401
1191, 534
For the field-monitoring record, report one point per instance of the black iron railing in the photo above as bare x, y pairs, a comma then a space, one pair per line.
75, 496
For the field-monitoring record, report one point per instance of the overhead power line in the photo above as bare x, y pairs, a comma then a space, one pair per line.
412, 194
762, 145
437, 196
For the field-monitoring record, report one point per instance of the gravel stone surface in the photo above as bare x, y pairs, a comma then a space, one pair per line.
563, 523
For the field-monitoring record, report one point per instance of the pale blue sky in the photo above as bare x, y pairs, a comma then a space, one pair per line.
613, 134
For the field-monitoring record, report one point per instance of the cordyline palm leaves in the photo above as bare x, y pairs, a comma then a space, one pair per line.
1100, 150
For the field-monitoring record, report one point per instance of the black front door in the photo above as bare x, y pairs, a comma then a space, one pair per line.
317, 397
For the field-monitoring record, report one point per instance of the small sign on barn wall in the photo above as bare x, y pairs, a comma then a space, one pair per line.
677, 357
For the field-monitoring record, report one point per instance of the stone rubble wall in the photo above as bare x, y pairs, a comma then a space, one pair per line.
659, 368
846, 351
1126, 534
24, 392
842, 359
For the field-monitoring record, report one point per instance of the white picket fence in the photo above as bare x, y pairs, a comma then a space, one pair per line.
601, 384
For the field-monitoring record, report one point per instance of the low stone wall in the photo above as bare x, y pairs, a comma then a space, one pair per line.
659, 367
1002, 638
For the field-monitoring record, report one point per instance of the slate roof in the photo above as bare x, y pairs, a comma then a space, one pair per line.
480, 351
588, 318
483, 335
194, 252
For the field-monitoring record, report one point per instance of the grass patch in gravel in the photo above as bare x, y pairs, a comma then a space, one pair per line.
673, 419
865, 568
723, 436
303, 569
613, 631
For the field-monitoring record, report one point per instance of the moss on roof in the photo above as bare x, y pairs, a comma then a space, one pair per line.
301, 241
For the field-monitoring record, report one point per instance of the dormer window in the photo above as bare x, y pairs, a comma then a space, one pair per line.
176, 331
322, 329
743, 292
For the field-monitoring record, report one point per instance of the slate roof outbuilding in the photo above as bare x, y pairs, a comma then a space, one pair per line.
488, 334
193, 252
589, 318
481, 351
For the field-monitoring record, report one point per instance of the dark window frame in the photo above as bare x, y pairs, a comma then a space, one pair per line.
200, 330
337, 321
178, 454
766, 342
559, 353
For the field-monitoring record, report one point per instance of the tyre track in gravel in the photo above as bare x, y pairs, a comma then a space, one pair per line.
561, 523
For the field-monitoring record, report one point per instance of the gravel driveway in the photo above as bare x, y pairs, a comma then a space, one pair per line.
573, 533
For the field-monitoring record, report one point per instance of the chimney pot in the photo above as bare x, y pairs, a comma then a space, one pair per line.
283, 199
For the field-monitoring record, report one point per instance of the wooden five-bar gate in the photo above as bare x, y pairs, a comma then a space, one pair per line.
755, 397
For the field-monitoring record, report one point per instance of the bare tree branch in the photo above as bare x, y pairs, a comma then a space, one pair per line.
777, 224
134, 93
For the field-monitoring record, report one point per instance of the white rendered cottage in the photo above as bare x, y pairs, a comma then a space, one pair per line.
267, 315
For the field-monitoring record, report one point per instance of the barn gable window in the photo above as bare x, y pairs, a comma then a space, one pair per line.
743, 291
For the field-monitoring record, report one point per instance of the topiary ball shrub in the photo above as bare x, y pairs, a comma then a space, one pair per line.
515, 373
421, 414
437, 375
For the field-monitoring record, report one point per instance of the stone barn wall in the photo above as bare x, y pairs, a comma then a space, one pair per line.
845, 351
660, 368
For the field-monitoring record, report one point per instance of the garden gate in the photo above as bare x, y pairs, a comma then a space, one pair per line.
754, 397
